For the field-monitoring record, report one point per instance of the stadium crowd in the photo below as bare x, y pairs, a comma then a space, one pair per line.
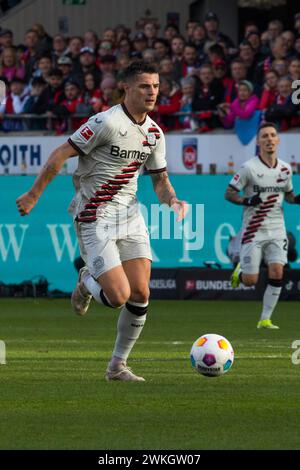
206, 81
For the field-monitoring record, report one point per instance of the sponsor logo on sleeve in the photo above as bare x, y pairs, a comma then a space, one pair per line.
86, 133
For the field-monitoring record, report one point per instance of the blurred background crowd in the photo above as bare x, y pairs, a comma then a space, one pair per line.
206, 80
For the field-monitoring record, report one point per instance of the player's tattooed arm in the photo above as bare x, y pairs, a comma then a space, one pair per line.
163, 188
233, 196
28, 200
166, 194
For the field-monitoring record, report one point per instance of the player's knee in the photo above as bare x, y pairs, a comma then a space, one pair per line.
118, 297
276, 273
140, 294
249, 281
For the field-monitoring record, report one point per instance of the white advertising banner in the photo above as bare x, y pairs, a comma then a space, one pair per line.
186, 153
26, 155
221, 153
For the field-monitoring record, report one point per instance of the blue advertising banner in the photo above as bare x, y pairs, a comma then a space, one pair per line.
44, 243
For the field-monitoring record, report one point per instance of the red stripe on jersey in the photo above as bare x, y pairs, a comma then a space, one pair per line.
272, 195
135, 164
262, 211
86, 219
119, 177
101, 199
119, 182
250, 230
107, 192
112, 186
153, 129
129, 170
253, 224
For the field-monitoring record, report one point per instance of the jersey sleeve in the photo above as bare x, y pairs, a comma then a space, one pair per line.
157, 163
240, 179
95, 132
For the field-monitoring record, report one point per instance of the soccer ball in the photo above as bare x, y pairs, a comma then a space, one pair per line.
212, 355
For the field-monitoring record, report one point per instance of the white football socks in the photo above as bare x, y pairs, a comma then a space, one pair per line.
270, 299
129, 329
95, 289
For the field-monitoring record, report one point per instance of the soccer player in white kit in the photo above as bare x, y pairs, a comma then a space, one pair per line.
113, 147
266, 182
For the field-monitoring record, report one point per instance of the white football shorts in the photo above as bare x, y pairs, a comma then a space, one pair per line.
104, 244
271, 251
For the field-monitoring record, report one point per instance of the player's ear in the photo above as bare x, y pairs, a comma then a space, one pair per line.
125, 86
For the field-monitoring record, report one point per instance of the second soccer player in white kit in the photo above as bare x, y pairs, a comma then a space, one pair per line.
267, 182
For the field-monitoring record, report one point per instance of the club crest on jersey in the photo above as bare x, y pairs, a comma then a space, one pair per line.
283, 175
86, 133
151, 139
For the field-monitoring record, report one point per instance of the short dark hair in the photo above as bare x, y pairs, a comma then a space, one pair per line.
38, 81
267, 124
137, 68
18, 80
55, 73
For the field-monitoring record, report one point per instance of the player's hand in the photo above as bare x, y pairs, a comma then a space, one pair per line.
297, 199
180, 208
26, 203
253, 200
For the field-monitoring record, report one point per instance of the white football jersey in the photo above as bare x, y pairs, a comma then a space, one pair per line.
265, 220
112, 148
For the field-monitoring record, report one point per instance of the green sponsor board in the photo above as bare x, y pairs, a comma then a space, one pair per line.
44, 243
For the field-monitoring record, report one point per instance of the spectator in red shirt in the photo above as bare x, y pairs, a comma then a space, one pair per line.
270, 90
283, 111
238, 73
70, 105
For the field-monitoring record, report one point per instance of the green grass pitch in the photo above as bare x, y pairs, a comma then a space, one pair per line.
53, 394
